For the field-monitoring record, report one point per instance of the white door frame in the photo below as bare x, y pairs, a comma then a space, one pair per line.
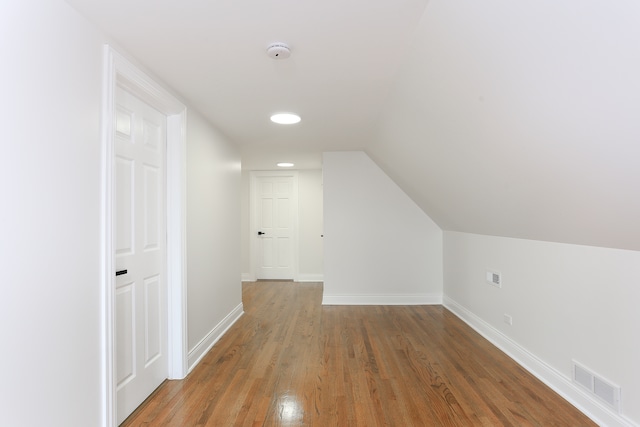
120, 72
253, 231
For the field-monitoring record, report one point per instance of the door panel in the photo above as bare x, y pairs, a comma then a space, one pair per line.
153, 311
141, 301
284, 212
152, 208
124, 206
124, 334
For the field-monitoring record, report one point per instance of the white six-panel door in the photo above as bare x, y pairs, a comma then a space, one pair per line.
275, 210
140, 303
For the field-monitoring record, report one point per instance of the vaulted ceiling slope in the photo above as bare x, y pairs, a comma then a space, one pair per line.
521, 119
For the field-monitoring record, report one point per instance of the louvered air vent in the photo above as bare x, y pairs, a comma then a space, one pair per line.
597, 386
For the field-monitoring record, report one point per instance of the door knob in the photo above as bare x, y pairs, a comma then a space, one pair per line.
260, 233
121, 272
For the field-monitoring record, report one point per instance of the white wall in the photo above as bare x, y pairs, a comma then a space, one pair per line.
50, 249
50, 176
310, 217
213, 234
245, 218
310, 223
379, 246
567, 302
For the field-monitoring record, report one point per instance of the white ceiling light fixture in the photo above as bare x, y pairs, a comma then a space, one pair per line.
278, 51
285, 165
285, 118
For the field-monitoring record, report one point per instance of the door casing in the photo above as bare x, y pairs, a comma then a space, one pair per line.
118, 71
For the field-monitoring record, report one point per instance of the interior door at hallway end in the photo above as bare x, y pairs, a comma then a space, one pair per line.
275, 219
140, 252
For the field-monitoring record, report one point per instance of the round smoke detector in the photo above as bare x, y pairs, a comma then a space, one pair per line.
278, 51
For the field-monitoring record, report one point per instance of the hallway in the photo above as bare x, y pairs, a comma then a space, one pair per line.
290, 361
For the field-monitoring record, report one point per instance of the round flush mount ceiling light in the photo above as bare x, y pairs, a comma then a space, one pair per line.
285, 118
285, 165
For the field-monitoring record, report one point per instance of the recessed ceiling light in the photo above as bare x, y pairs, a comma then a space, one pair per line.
285, 118
285, 165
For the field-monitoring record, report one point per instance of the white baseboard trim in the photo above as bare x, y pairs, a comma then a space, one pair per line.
550, 376
248, 277
419, 299
310, 278
203, 347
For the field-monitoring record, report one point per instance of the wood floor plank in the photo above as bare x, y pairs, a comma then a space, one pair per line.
289, 361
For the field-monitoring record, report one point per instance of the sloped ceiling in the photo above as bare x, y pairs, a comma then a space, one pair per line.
521, 119
517, 119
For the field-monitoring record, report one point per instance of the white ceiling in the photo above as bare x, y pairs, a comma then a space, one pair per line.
517, 119
345, 55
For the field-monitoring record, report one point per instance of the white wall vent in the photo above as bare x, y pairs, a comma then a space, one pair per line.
583, 377
494, 278
597, 386
607, 392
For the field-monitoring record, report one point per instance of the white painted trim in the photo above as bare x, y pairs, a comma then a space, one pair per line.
177, 244
203, 347
120, 72
248, 277
310, 278
108, 375
253, 246
406, 299
561, 384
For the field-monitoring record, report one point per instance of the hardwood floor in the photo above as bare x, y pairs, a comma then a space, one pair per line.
289, 361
